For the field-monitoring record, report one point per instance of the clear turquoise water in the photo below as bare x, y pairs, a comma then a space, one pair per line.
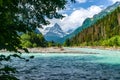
104, 65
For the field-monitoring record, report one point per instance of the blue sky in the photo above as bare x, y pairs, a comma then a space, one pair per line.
76, 13
86, 4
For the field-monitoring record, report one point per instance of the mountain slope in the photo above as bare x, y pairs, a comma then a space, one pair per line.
90, 21
55, 34
37, 31
101, 30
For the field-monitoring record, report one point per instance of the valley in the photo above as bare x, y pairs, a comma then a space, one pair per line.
59, 40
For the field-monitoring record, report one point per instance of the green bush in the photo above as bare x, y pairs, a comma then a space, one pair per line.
27, 44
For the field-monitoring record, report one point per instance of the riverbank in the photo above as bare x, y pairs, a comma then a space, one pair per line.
66, 50
56, 50
101, 47
51, 50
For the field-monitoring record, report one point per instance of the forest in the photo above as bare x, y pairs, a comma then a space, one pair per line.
105, 32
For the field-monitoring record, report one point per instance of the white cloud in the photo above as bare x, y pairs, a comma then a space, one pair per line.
113, 1
78, 16
81, 1
76, 19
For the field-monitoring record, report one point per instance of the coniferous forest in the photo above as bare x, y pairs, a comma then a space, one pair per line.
105, 32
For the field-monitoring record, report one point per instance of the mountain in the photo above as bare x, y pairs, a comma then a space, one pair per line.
69, 31
54, 33
90, 21
101, 30
37, 31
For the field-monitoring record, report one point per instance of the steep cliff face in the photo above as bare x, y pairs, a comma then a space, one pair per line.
103, 29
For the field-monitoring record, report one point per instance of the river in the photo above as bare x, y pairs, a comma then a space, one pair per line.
104, 65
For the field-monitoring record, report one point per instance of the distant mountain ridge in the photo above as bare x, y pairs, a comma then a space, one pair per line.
90, 21
102, 32
54, 33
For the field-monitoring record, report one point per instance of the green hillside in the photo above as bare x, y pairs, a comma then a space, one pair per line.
105, 32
